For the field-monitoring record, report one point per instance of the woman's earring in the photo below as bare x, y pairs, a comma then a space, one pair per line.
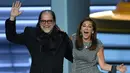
92, 32
81, 35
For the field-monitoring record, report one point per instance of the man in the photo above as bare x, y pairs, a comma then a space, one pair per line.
46, 43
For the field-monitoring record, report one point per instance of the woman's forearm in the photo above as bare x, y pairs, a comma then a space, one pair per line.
107, 67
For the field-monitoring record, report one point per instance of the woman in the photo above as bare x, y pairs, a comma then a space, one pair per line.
88, 50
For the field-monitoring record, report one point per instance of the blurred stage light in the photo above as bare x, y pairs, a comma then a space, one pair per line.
26, 8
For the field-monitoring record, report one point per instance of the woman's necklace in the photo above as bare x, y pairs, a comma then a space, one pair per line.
87, 44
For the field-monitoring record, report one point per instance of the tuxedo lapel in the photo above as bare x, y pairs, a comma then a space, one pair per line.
56, 43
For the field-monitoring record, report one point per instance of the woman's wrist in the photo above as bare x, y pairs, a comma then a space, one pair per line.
113, 69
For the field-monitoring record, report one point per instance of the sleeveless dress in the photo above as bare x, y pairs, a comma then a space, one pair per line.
85, 61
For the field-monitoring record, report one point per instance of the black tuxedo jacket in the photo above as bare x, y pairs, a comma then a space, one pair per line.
47, 50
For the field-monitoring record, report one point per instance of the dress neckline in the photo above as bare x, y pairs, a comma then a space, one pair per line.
87, 44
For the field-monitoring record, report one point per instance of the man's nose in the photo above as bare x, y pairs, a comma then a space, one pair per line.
45, 23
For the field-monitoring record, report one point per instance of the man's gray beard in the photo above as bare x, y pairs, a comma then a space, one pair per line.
46, 30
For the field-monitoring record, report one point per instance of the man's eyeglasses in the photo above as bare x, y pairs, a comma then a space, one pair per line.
46, 21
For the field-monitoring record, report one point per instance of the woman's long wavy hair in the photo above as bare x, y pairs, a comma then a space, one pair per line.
79, 37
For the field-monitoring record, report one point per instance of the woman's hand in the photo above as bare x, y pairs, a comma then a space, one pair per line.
122, 68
